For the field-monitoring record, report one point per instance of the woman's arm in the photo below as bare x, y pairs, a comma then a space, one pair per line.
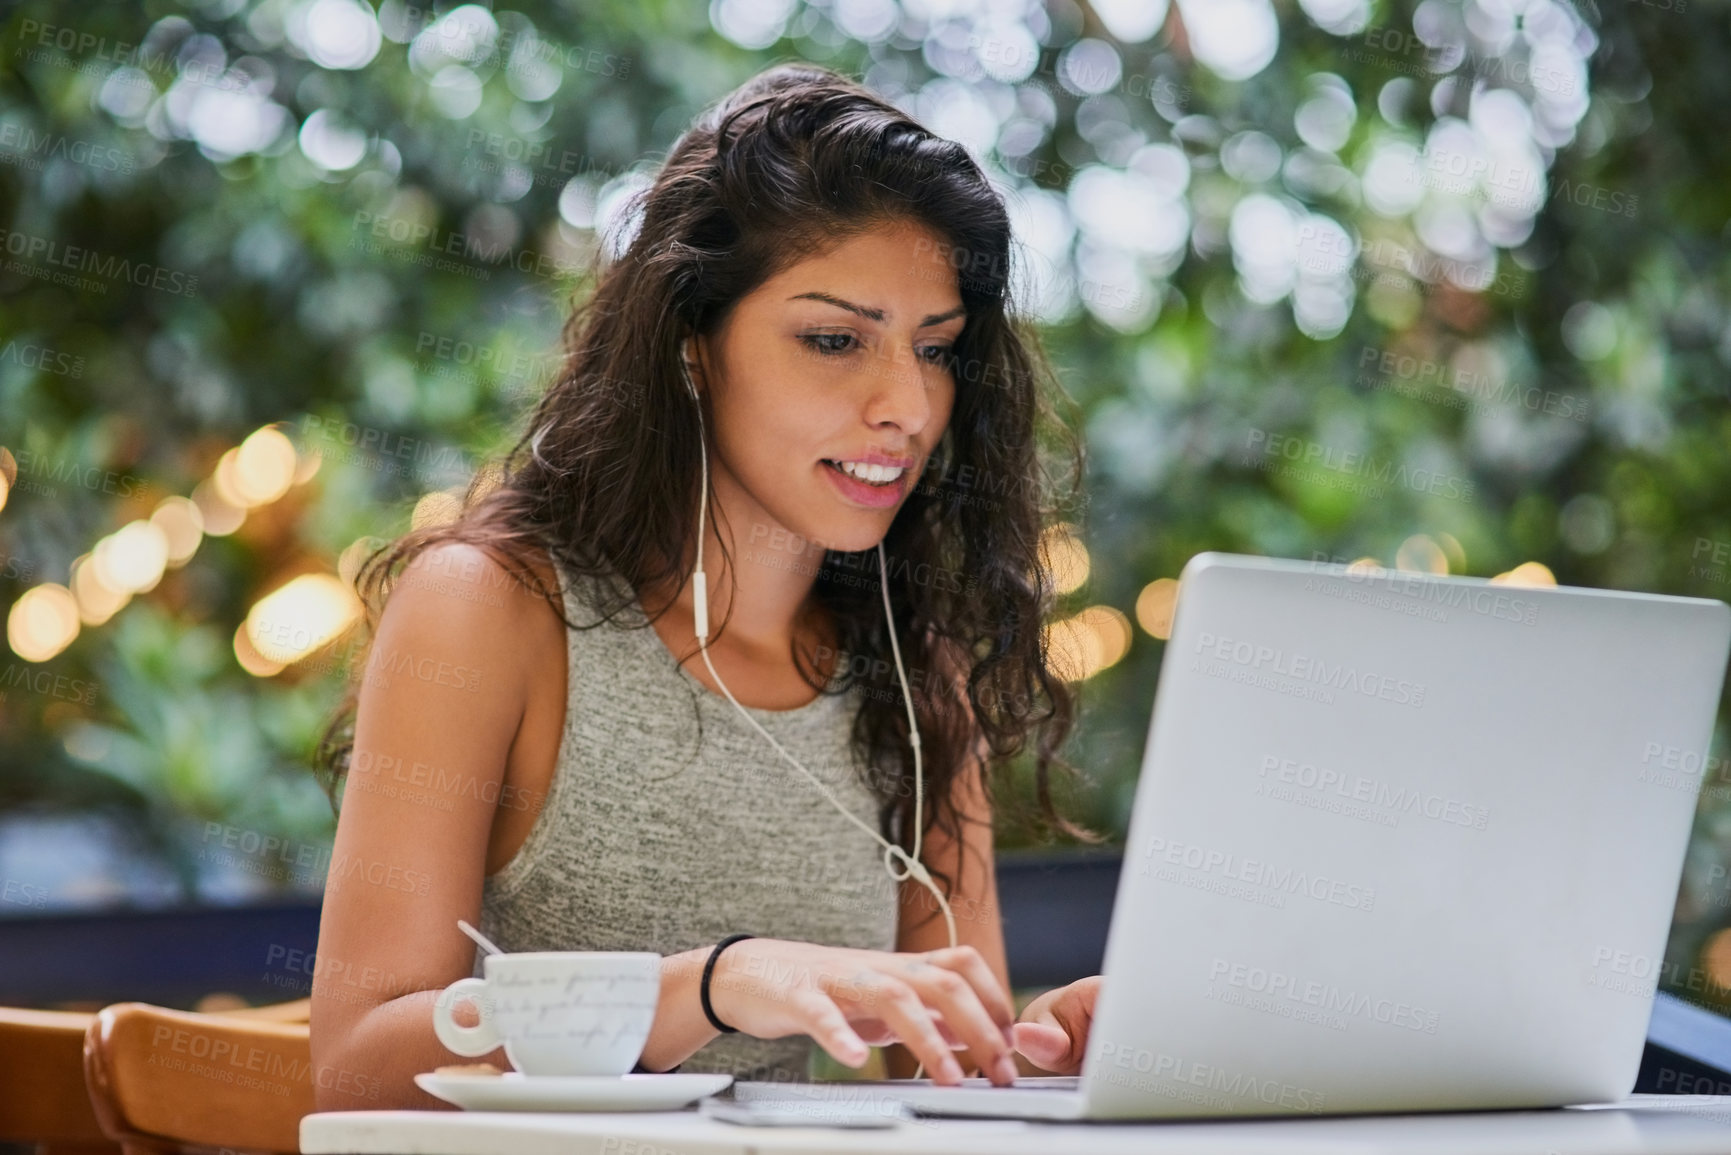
447, 717
441, 700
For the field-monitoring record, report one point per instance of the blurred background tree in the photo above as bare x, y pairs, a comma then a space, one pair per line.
1437, 285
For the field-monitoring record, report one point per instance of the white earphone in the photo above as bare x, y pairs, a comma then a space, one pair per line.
909, 865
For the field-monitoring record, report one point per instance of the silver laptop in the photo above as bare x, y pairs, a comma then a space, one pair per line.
1400, 843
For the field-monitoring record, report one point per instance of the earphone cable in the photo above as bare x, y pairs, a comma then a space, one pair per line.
911, 866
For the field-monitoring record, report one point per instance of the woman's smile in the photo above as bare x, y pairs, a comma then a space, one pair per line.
876, 481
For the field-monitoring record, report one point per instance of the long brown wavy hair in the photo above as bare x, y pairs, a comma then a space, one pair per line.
605, 476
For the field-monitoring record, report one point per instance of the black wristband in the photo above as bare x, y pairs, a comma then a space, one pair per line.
703, 987
640, 1069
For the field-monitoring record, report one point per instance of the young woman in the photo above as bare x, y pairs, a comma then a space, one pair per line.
803, 360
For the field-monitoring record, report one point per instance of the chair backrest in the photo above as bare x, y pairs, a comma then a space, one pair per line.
161, 1078
42, 1073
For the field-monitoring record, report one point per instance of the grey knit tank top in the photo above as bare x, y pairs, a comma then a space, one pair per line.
670, 823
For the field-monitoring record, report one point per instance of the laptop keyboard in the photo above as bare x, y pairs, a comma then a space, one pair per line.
1024, 1083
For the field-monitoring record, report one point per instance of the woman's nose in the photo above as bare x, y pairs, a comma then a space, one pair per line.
901, 395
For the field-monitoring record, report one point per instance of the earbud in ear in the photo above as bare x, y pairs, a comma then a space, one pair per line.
699, 580
685, 367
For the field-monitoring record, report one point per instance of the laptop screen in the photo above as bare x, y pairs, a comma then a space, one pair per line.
1691, 985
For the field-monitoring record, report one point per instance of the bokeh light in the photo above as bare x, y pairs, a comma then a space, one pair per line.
335, 34
1064, 557
331, 141
1235, 39
436, 509
1528, 573
1079, 647
354, 556
250, 659
1112, 630
1421, 553
1072, 652
263, 467
42, 623
132, 558
1716, 959
1131, 21
1155, 606
220, 515
304, 615
181, 523
97, 600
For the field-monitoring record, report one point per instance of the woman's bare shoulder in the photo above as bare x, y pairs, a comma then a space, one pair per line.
475, 595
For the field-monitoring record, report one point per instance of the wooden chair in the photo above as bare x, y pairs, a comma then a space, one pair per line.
42, 1072
161, 1079
299, 1011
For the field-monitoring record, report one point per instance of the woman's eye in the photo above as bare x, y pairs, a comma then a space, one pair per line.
818, 341
835, 344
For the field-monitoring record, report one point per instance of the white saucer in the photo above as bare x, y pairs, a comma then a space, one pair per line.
514, 1091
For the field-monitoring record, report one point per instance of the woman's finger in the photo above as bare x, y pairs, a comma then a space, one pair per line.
825, 1023
1074, 1010
900, 1006
1046, 1045
874, 1031
955, 998
878, 1033
971, 965
1054, 1033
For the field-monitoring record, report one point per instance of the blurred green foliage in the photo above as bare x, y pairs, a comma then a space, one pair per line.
322, 229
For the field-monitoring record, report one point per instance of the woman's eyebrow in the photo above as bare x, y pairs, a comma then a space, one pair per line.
875, 314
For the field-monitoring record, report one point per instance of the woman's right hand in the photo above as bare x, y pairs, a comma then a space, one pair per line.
932, 1002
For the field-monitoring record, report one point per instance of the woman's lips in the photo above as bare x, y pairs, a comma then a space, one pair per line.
872, 496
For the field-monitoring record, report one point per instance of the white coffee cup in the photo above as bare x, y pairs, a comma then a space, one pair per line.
557, 1012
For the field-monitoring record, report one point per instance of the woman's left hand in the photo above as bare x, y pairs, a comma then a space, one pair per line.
1052, 1031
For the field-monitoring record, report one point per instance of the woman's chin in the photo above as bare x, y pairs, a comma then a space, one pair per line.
858, 540
843, 528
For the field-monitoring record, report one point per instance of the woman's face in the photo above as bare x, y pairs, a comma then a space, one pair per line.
828, 388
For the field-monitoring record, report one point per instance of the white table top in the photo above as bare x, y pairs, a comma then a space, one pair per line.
1685, 1125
